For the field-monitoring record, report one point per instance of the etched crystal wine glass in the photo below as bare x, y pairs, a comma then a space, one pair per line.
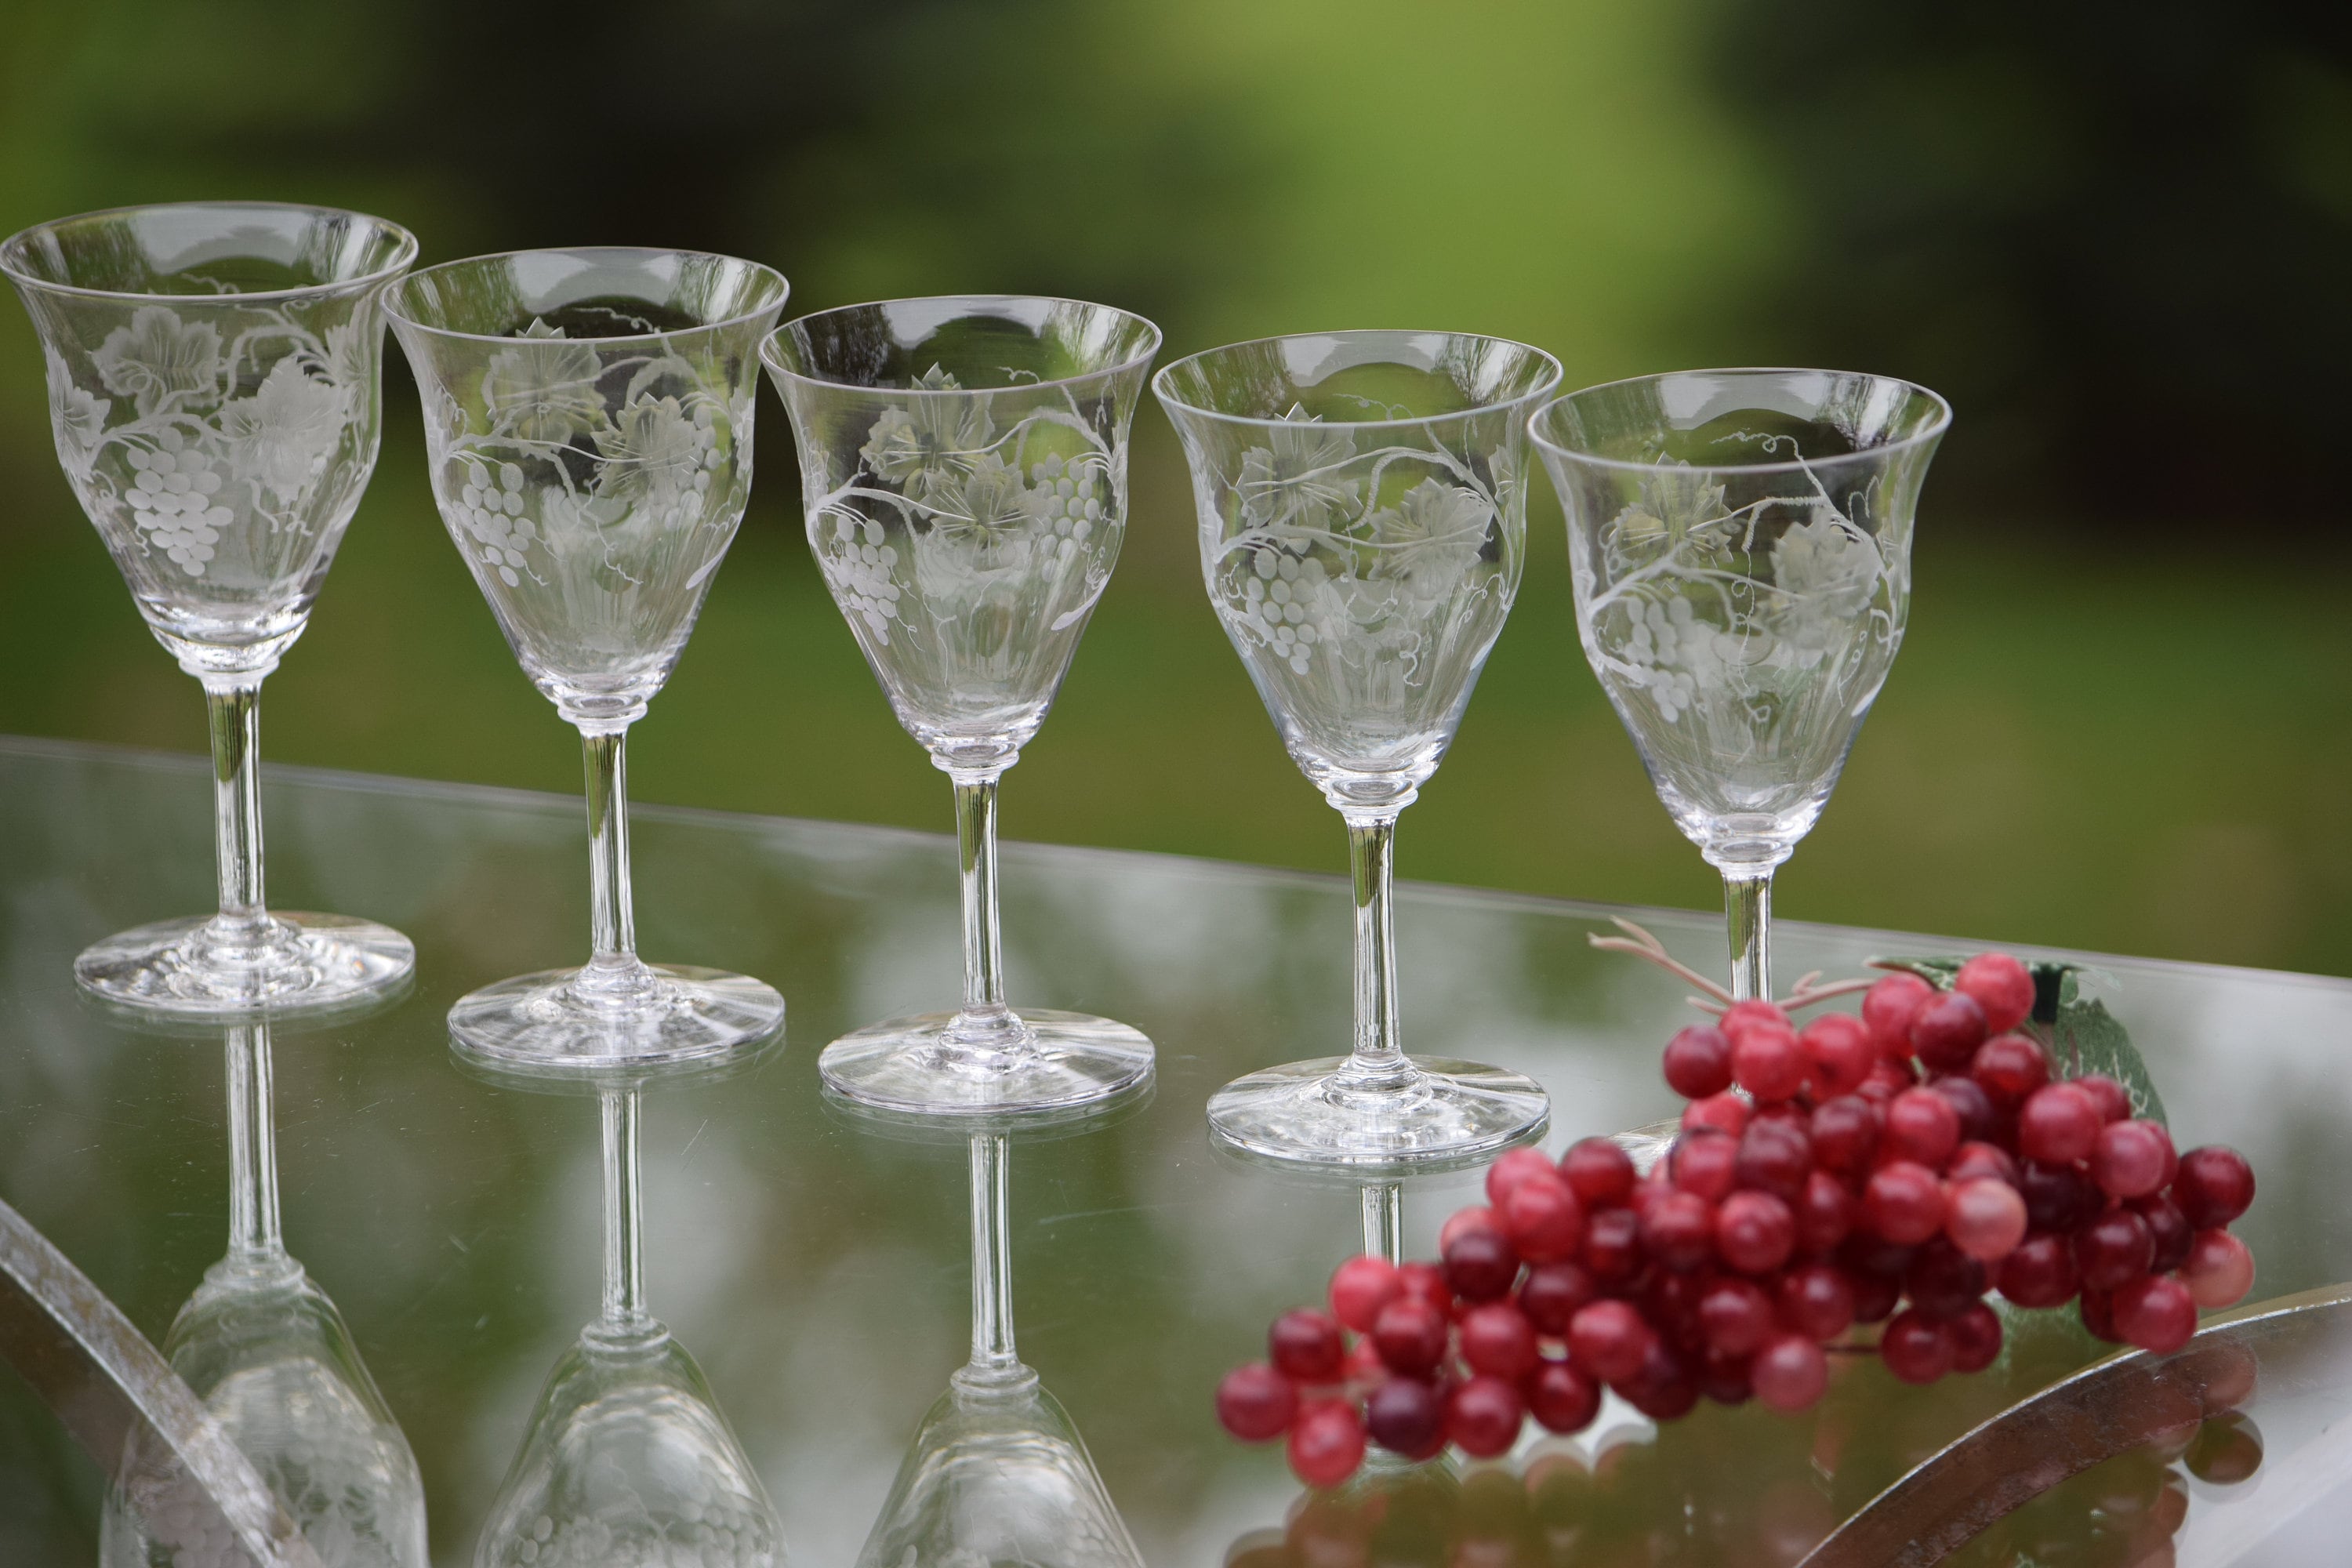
963, 464
627, 1459
1363, 525
214, 375
1740, 545
997, 1474
588, 422
268, 1353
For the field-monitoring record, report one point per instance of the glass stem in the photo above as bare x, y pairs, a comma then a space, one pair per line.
1384, 1220
254, 1237
614, 973
232, 705
1747, 916
983, 952
624, 1278
1378, 1061
991, 1258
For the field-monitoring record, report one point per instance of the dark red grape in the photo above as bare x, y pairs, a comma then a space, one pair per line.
1407, 1417
2157, 1314
1735, 1317
1698, 1062
1598, 1171
2057, 1197
1817, 1301
1971, 1161
1426, 1282
2168, 1227
1255, 1402
1411, 1336
1844, 1133
1551, 1294
1980, 1120
1483, 1416
1613, 1245
1943, 1282
1678, 1230
1824, 1214
1774, 1157
1946, 1030
1562, 1398
2113, 1250
1480, 1265
1306, 1345
1874, 1297
1976, 1338
1915, 1348
2098, 1315
1662, 1389
2040, 1272
2213, 1186
2010, 1067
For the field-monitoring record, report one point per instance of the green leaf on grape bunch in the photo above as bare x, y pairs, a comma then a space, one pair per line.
2081, 1035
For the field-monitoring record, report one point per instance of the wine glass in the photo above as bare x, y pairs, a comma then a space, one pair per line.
267, 1352
997, 1473
1740, 545
1363, 525
588, 422
627, 1461
963, 463
214, 375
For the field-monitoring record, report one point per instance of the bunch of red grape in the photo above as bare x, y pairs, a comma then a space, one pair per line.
1890, 1168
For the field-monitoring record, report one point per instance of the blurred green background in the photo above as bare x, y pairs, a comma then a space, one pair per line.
2119, 720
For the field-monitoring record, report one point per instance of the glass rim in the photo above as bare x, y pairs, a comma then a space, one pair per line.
1932, 433
404, 254
1550, 382
392, 297
1148, 352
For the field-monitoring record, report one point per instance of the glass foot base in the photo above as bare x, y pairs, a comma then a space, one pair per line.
304, 962
1447, 1112
922, 1066
540, 1022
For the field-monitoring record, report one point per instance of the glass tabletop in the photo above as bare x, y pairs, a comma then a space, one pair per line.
818, 1267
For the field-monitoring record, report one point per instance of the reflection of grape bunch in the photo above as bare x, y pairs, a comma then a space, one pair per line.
1887, 1169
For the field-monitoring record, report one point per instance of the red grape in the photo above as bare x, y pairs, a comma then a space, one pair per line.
1922, 1126
1903, 1202
1327, 1444
1722, 1378
2010, 1067
1915, 1348
1724, 1113
1824, 1214
1662, 1389
1480, 1265
2041, 1272
1735, 1317
2213, 1186
1887, 1080
1889, 1007
1562, 1398
1483, 1416
1841, 1051
1816, 1301
1552, 1293
1946, 1030
1791, 1374
1766, 1061
1425, 1282
1943, 1282
1255, 1402
1411, 1336
1980, 1120
1361, 1288
2001, 986
1598, 1171
1542, 1218
1985, 1217
1874, 1297
1706, 1163
2220, 1271
1698, 1062
1976, 1338
2132, 1158
2098, 1315
1362, 1363
1844, 1133
2057, 1197
1498, 1340
2113, 1250
1678, 1230
2157, 1314
2057, 1125
1407, 1417
1306, 1345
1754, 1232
1775, 1156
1477, 1216
1515, 1167
1972, 1161
1609, 1340
2168, 1227
2112, 1101
1742, 1016
1612, 1245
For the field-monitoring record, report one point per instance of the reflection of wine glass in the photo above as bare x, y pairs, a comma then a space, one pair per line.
1364, 524
628, 1462
588, 420
1740, 542
269, 1356
997, 1474
215, 391
963, 465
